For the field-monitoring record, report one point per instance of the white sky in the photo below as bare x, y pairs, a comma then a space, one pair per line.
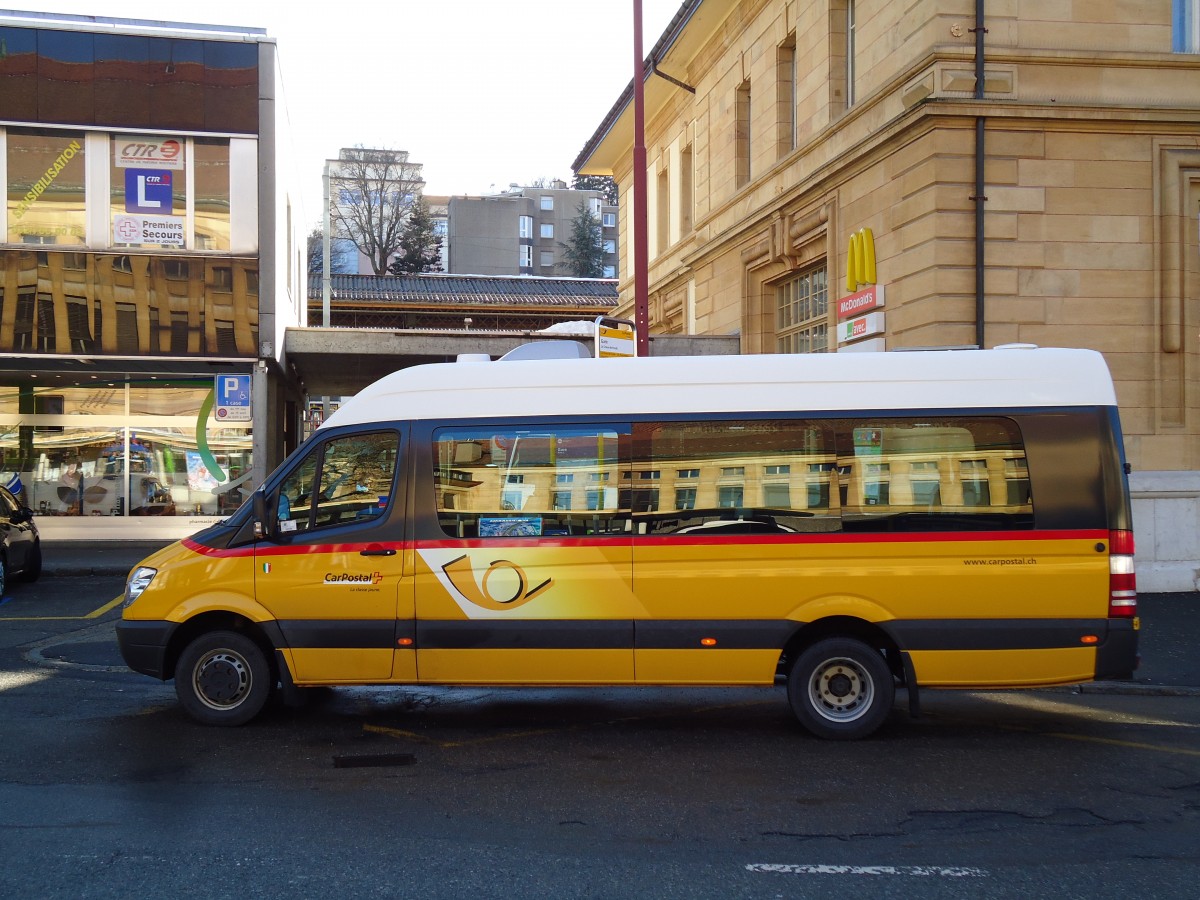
482, 92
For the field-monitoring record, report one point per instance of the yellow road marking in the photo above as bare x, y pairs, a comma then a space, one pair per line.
1132, 745
94, 614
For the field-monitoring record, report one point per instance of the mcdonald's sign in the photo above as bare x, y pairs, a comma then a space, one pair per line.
860, 259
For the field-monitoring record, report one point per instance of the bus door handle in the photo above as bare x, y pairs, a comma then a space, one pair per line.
377, 551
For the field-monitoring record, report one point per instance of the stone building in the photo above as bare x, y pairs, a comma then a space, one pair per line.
1032, 175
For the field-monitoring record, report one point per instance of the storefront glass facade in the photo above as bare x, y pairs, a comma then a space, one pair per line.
122, 448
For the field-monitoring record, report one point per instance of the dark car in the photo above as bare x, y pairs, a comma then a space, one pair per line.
20, 546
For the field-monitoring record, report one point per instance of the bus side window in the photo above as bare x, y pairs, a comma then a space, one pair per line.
770, 476
515, 482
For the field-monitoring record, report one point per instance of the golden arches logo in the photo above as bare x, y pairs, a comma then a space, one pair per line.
860, 259
504, 584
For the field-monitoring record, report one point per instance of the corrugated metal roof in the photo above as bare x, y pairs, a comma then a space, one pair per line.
449, 290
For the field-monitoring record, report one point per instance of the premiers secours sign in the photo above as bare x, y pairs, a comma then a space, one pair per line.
141, 229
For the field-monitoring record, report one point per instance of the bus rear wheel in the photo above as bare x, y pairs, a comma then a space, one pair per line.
222, 678
840, 689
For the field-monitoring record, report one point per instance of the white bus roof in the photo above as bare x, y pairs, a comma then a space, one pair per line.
925, 380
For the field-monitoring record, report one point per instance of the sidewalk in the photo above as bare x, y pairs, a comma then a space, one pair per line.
1169, 641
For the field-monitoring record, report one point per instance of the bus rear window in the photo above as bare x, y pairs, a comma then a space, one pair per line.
932, 474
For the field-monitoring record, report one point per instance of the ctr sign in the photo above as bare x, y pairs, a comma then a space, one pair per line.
148, 191
233, 398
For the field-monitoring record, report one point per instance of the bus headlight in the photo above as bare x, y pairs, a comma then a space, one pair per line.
138, 581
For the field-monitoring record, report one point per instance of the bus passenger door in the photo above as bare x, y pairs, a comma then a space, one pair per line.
523, 562
332, 571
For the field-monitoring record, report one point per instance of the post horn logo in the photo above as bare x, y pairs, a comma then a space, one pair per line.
860, 260
504, 584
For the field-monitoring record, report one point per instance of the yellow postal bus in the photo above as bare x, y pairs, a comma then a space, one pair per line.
843, 524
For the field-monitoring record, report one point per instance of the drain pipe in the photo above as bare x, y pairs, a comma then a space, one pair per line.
980, 198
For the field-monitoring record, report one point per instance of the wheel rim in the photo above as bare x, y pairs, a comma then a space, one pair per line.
222, 679
841, 690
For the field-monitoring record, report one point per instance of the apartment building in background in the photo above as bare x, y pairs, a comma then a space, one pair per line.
860, 175
148, 270
521, 231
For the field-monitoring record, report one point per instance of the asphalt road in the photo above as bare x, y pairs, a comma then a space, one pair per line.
108, 790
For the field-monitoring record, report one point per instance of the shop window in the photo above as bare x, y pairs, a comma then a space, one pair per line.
144, 467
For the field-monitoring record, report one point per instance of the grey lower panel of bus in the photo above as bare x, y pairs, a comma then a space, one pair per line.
561, 634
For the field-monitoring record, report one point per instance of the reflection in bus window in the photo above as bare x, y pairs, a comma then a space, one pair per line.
743, 477
344, 481
559, 480
907, 475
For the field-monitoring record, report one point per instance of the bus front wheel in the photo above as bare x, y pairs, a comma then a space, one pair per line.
840, 689
223, 678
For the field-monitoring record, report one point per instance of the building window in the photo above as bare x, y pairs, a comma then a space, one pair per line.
547, 202
802, 313
525, 226
546, 258
741, 134
686, 192
785, 96
663, 210
1185, 26
526, 256
546, 230
610, 271
46, 187
594, 207
850, 61
609, 220
610, 246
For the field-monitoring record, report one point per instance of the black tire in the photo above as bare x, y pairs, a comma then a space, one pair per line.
33, 565
223, 678
841, 689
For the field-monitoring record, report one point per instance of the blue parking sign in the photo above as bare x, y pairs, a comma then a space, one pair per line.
233, 398
148, 191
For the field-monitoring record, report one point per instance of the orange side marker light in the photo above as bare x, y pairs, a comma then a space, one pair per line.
1089, 639
708, 642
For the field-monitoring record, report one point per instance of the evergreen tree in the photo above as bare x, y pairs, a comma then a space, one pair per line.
583, 253
602, 183
420, 248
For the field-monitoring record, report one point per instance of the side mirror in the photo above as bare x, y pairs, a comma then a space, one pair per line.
261, 522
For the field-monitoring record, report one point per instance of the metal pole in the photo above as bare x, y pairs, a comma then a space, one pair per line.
641, 278
325, 243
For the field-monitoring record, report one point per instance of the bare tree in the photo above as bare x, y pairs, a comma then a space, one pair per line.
372, 193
